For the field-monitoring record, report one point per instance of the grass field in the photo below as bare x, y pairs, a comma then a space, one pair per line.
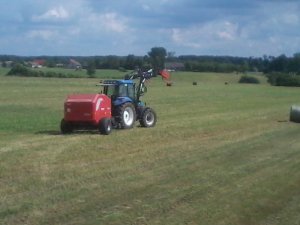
219, 154
114, 74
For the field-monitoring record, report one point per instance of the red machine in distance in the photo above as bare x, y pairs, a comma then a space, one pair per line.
87, 111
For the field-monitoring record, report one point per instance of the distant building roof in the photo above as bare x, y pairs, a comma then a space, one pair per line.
174, 65
40, 62
74, 62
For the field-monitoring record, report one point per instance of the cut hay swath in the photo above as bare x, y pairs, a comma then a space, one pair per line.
295, 114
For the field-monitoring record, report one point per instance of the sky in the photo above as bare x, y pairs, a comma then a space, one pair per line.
246, 28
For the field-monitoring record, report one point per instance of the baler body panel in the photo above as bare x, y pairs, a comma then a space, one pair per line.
87, 108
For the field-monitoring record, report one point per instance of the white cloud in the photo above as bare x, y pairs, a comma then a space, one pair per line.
42, 34
56, 13
146, 7
154, 6
113, 22
104, 23
200, 35
291, 19
181, 37
227, 31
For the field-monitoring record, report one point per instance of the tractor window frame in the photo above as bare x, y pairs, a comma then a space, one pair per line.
131, 91
111, 90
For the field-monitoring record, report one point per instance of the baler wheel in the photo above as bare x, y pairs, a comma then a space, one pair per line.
65, 127
126, 115
148, 118
105, 126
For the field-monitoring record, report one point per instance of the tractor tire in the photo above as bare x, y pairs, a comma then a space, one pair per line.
126, 115
105, 126
148, 118
66, 127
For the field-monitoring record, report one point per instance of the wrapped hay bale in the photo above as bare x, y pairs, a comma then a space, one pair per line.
169, 83
295, 114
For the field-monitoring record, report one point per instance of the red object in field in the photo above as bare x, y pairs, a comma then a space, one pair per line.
165, 74
88, 108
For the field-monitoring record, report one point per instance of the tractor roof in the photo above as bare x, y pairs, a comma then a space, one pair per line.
116, 82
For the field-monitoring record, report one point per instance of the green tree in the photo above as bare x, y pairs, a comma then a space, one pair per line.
157, 58
19, 70
91, 68
50, 62
130, 62
294, 64
112, 62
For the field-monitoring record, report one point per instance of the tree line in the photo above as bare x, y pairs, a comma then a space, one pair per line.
265, 64
280, 70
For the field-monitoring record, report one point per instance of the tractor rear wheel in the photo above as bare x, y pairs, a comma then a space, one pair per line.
105, 126
126, 115
148, 118
66, 127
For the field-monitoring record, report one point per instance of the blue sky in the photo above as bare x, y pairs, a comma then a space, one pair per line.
122, 27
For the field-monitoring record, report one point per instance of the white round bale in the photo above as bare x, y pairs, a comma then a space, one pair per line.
295, 114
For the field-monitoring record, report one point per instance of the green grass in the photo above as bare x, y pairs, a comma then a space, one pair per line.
116, 74
112, 74
219, 154
3, 71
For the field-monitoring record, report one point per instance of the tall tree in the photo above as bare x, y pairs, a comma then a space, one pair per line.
157, 58
91, 69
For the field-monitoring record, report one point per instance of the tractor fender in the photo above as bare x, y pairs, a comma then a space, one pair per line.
121, 100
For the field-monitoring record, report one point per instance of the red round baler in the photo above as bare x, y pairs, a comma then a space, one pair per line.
87, 111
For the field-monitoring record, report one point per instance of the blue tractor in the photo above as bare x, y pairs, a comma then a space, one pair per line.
125, 100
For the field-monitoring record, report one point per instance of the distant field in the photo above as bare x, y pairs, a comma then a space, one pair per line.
3, 71
220, 154
115, 74
99, 73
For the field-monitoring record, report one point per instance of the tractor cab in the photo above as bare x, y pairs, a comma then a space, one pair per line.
120, 91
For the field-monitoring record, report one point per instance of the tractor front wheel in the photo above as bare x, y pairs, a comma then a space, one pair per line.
126, 115
148, 118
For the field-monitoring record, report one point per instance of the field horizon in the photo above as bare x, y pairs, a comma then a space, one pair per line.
221, 153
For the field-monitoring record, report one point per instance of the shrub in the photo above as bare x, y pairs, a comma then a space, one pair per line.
249, 80
34, 73
122, 69
19, 70
51, 74
282, 79
61, 75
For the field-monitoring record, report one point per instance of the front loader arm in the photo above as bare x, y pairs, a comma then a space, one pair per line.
143, 76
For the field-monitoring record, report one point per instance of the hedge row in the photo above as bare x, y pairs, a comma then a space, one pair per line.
249, 80
282, 79
22, 71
